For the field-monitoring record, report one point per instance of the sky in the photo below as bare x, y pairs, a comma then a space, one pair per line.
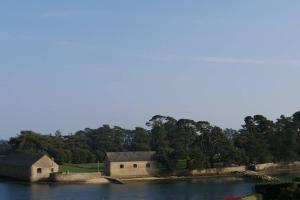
71, 64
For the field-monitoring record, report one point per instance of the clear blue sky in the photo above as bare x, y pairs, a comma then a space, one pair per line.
72, 64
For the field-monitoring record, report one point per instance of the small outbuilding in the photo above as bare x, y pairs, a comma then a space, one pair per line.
27, 167
130, 164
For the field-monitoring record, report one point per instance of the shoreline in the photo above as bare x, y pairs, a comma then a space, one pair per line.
229, 175
104, 180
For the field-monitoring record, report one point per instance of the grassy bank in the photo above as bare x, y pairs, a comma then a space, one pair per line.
81, 168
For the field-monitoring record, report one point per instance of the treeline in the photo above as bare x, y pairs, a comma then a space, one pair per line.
200, 143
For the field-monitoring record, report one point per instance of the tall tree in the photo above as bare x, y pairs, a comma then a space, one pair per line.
160, 143
140, 140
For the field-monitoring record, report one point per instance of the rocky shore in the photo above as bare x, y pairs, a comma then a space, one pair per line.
257, 176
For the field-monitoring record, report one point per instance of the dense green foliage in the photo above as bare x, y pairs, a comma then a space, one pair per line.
296, 179
279, 191
271, 191
199, 143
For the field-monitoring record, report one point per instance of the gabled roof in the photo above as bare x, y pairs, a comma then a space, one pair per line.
19, 159
130, 156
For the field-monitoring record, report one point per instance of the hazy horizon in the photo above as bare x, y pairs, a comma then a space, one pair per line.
70, 65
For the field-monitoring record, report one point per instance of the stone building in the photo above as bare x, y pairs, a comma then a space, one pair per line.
130, 164
27, 167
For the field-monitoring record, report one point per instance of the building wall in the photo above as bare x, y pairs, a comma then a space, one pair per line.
265, 166
46, 165
16, 172
128, 169
106, 167
30, 173
213, 171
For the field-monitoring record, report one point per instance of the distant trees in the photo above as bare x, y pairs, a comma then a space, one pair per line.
253, 139
198, 143
161, 127
4, 147
141, 140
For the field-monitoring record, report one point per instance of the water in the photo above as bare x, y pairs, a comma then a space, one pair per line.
200, 189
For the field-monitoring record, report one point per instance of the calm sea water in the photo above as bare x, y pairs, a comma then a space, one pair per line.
200, 189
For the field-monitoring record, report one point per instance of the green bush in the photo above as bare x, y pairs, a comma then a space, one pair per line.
271, 191
297, 179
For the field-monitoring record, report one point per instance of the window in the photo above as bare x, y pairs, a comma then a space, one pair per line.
134, 165
52, 169
148, 165
39, 170
121, 166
